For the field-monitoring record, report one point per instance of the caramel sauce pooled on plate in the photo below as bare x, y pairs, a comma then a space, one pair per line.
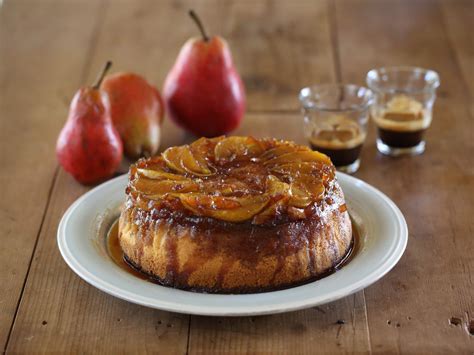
116, 253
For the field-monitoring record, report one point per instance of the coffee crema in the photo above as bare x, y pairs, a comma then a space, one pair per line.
402, 123
402, 114
340, 138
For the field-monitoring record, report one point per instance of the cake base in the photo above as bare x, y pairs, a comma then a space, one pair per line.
223, 258
345, 260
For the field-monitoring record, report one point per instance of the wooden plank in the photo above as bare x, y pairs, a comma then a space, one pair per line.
296, 332
280, 47
409, 309
459, 21
61, 313
39, 68
276, 48
304, 332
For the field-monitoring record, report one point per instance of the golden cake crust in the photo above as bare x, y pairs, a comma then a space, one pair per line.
231, 215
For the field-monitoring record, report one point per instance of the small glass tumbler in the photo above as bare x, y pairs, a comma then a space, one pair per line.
402, 111
335, 121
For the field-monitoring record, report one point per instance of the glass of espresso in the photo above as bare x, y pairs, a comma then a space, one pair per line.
402, 111
335, 120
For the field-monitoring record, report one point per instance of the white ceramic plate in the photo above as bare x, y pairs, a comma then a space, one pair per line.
82, 242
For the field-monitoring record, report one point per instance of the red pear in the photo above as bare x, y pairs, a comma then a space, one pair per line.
137, 113
203, 91
89, 147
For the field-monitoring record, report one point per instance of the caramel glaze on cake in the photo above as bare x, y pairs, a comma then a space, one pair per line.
234, 215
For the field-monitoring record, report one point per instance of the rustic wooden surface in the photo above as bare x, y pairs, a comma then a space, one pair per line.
49, 48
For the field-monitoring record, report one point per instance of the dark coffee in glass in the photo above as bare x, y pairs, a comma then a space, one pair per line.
402, 111
336, 118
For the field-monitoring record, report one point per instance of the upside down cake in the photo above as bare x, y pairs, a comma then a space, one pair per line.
234, 215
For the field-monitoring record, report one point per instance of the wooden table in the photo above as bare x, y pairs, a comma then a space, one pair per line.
50, 48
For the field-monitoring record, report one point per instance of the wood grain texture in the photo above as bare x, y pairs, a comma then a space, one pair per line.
277, 49
61, 313
34, 61
280, 49
325, 329
409, 310
459, 21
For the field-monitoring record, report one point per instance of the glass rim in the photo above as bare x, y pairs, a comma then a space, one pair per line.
430, 86
355, 87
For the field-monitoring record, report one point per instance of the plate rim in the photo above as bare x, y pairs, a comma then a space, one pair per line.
113, 290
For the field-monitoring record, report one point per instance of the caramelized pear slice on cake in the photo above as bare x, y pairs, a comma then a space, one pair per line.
230, 209
194, 164
313, 170
232, 148
300, 197
228, 187
304, 191
279, 193
182, 160
160, 175
313, 187
172, 157
204, 147
157, 188
276, 187
282, 149
298, 157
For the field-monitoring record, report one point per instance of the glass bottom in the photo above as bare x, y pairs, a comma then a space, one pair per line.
351, 168
397, 151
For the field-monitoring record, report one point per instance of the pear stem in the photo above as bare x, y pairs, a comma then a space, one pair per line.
102, 75
198, 22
